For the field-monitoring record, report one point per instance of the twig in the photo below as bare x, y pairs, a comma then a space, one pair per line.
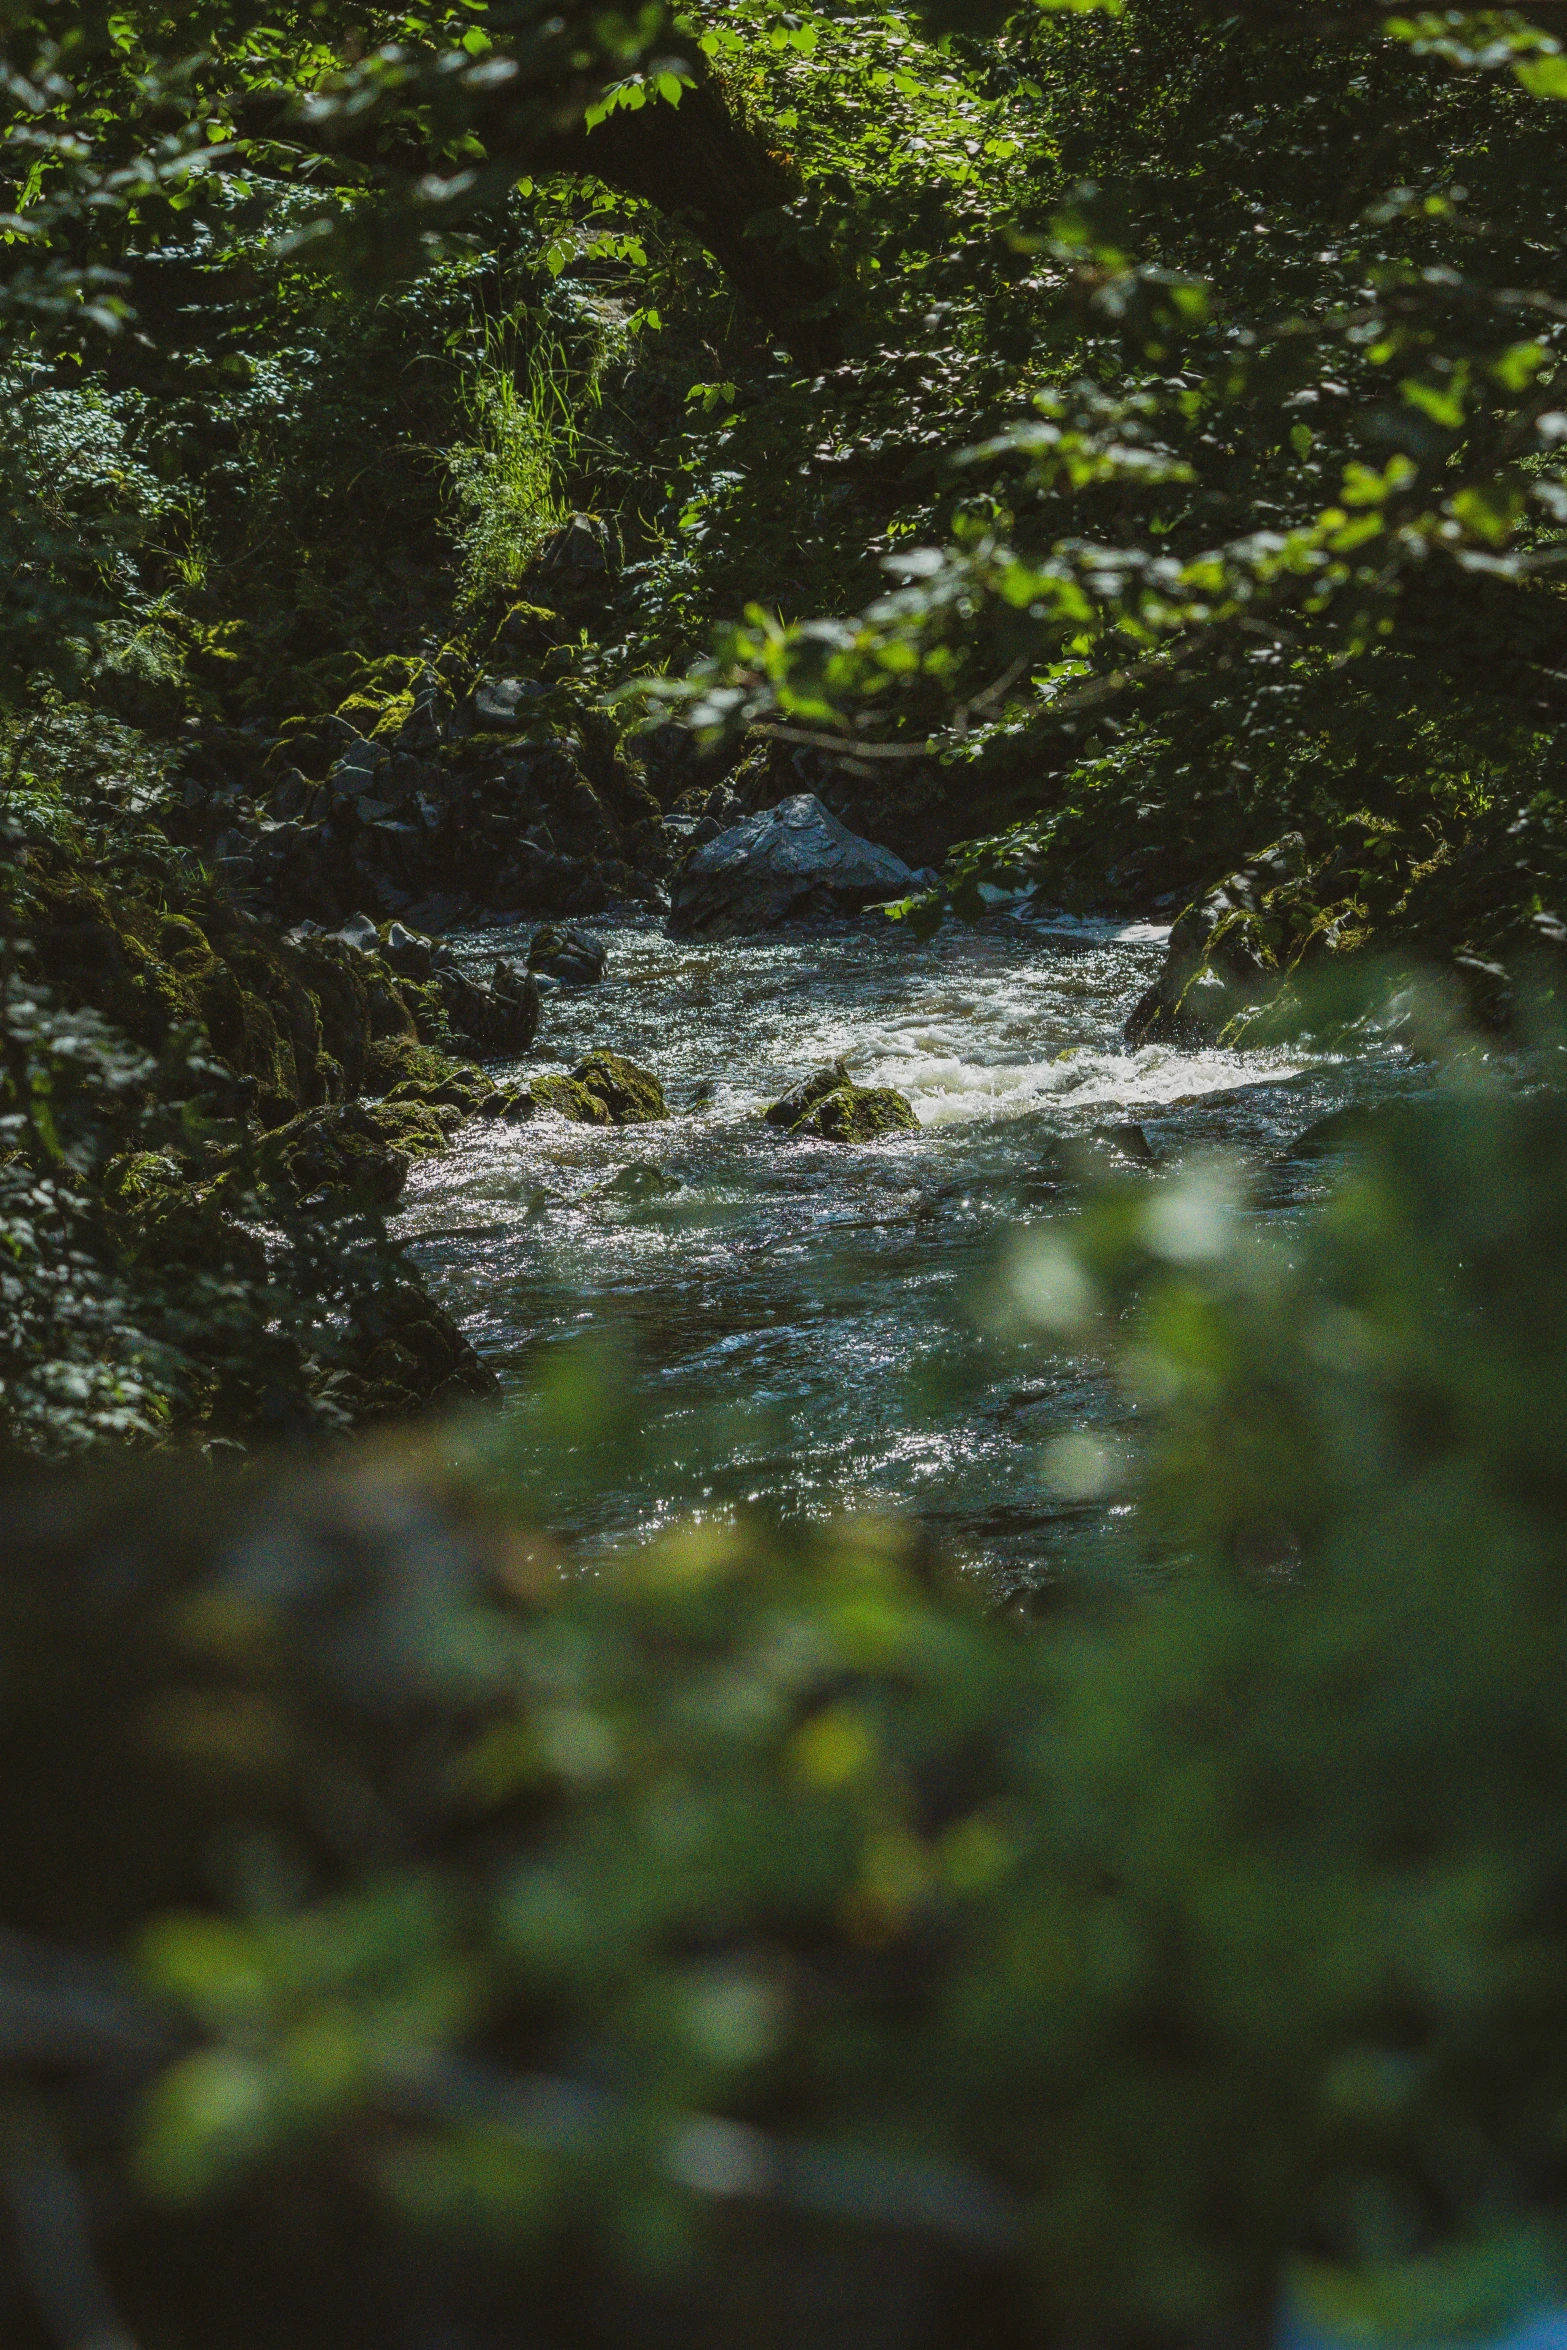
991, 693
711, 2155
849, 749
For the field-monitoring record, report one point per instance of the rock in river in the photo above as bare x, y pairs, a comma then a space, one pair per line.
793, 859
604, 1090
831, 1108
563, 951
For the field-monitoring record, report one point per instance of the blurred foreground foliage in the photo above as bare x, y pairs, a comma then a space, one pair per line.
761, 1940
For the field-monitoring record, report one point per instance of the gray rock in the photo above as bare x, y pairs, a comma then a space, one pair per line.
578, 551
793, 859
425, 726
410, 956
561, 951
503, 701
358, 768
359, 931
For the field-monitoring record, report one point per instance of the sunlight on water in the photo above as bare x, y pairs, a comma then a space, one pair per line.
797, 1289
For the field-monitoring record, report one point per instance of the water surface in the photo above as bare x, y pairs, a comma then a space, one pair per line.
802, 1310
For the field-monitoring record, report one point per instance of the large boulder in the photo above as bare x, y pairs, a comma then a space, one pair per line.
790, 860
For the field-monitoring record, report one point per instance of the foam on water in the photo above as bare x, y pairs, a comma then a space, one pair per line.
795, 1288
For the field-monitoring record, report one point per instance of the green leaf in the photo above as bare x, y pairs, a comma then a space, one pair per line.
1543, 77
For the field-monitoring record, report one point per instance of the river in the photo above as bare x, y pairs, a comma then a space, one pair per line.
793, 1321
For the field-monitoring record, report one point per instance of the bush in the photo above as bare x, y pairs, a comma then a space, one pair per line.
767, 1919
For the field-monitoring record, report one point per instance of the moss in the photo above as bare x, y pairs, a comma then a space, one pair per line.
412, 1356
417, 1128
456, 1097
155, 1207
631, 1095
403, 1060
832, 1108
339, 1155
859, 1113
792, 1108
299, 1017
432, 1023
569, 1098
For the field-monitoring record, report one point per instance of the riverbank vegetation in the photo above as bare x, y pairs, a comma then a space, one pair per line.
458, 457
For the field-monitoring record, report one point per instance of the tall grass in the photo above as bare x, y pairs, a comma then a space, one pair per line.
509, 478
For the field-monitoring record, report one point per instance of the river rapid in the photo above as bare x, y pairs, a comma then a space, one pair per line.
795, 1321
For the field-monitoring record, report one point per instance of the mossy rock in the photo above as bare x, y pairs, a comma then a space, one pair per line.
409, 1355
792, 1108
830, 1107
512, 1103
340, 1155
157, 1210
418, 1128
298, 1017
632, 1096
460, 1091
1234, 952
858, 1113
432, 1022
403, 1060
568, 1097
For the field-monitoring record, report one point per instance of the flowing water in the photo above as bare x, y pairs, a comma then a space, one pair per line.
795, 1318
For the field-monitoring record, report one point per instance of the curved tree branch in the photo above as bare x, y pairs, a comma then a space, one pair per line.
699, 162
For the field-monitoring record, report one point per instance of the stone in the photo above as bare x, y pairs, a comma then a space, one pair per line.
792, 1107
568, 1098
1129, 1140
410, 956
562, 951
409, 1353
357, 768
858, 1113
502, 1019
402, 1060
1225, 950
360, 931
416, 1126
425, 725
503, 701
440, 912
578, 552
633, 1096
829, 1107
604, 1090
793, 859
640, 1181
335, 1156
